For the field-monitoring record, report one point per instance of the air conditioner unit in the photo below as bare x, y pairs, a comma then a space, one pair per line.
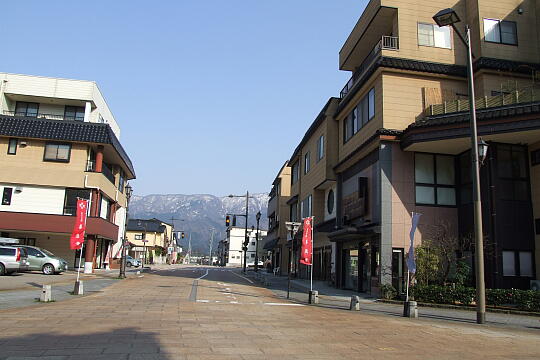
535, 285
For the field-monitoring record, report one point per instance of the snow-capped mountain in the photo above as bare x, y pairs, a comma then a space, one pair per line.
198, 215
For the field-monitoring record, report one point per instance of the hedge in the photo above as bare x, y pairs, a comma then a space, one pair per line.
527, 300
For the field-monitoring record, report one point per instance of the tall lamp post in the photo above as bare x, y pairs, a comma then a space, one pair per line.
144, 240
258, 217
246, 238
293, 228
444, 18
129, 192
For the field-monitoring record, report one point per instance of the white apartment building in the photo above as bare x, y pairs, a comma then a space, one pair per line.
232, 253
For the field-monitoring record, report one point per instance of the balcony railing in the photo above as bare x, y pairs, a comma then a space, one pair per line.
105, 170
386, 43
44, 116
503, 99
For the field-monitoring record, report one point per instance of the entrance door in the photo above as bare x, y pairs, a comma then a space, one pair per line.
397, 270
351, 269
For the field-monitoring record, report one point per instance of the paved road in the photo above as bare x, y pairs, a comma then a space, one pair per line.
209, 313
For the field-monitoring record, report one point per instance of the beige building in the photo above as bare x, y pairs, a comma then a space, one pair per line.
153, 236
59, 142
402, 140
278, 215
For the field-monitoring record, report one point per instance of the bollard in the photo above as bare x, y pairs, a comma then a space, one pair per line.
46, 294
410, 309
355, 303
78, 289
314, 297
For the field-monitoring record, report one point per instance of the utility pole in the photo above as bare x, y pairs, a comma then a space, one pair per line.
189, 249
211, 244
171, 241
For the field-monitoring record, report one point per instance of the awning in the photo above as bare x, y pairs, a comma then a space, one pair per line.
271, 244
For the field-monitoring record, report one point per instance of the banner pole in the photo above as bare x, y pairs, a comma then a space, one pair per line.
79, 267
407, 294
312, 240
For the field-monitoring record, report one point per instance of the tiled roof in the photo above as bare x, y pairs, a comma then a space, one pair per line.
505, 65
152, 225
63, 130
483, 114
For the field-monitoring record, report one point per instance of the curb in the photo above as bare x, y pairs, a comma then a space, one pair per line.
466, 308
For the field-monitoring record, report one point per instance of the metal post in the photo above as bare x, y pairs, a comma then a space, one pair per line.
290, 266
257, 246
246, 239
479, 248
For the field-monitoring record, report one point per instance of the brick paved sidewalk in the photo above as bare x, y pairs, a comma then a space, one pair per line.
152, 318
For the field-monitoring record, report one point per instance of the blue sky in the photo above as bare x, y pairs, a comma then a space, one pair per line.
211, 96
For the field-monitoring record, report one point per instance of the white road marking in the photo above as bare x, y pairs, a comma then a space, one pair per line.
283, 304
243, 277
250, 303
203, 301
203, 275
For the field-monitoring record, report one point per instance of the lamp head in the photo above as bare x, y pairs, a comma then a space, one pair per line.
446, 17
482, 150
129, 190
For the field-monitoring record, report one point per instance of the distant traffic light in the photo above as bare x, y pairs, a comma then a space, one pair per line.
183, 235
227, 220
234, 220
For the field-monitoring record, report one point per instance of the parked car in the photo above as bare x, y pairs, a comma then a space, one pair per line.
43, 260
132, 262
12, 259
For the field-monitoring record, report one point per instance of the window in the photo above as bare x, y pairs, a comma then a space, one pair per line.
517, 263
57, 152
6, 196
253, 243
320, 148
12, 147
294, 212
138, 236
330, 202
26, 109
74, 113
307, 162
105, 208
305, 207
502, 32
512, 172
252, 255
433, 35
70, 200
435, 179
360, 115
295, 173
121, 181
535, 157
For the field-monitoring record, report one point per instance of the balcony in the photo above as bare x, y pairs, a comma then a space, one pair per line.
385, 43
44, 116
105, 170
505, 98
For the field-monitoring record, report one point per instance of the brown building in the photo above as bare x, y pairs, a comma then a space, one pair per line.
402, 141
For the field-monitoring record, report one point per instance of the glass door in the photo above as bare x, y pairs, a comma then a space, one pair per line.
351, 269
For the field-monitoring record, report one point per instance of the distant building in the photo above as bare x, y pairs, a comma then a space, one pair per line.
153, 236
230, 250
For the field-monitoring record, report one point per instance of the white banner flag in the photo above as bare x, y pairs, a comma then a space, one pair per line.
411, 263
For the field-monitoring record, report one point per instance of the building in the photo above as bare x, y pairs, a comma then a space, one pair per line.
58, 142
313, 189
402, 141
152, 236
278, 215
230, 250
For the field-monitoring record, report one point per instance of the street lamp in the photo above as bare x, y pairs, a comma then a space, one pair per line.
246, 238
129, 191
444, 18
293, 228
258, 217
144, 240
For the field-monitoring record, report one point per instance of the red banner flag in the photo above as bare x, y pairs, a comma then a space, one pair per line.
307, 242
77, 237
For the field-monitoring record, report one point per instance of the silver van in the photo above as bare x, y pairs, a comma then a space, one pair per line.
12, 259
43, 260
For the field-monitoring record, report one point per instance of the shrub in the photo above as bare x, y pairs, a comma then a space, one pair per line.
388, 292
527, 300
